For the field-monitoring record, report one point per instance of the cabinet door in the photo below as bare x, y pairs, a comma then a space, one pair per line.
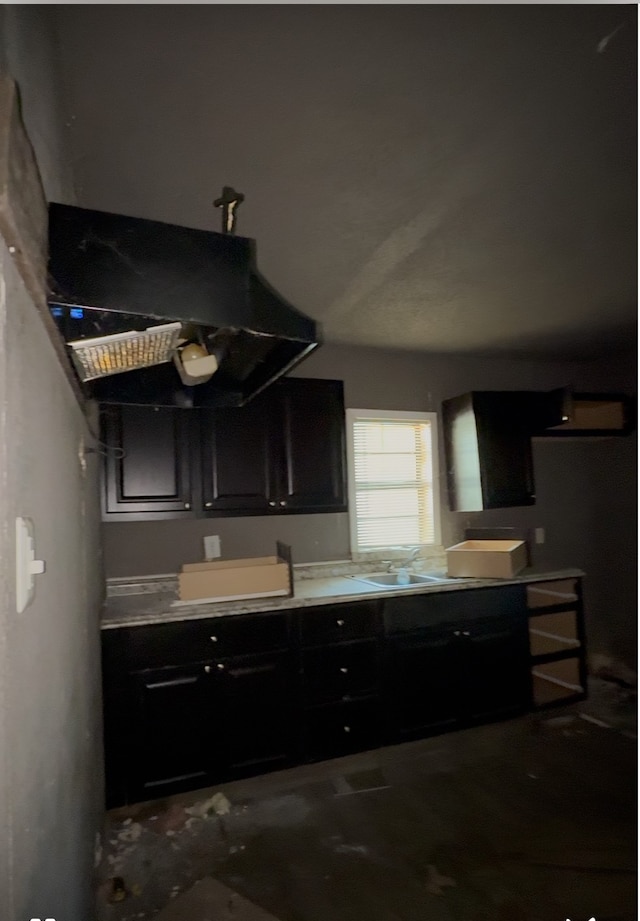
237, 457
488, 449
170, 728
494, 657
313, 457
153, 472
253, 720
504, 446
424, 682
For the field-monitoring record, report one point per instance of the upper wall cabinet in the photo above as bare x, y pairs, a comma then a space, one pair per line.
313, 460
284, 452
236, 457
590, 414
488, 450
148, 463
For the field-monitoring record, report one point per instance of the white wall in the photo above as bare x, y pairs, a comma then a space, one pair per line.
51, 802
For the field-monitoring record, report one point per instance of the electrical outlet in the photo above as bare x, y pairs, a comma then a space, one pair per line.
539, 535
212, 547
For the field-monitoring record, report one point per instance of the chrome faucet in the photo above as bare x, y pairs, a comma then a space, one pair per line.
401, 564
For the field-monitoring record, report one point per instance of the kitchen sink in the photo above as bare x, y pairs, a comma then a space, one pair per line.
390, 579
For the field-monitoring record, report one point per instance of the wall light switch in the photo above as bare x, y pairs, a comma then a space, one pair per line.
212, 547
539, 535
26, 564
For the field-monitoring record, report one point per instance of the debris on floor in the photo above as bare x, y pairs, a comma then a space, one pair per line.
131, 832
116, 890
470, 824
172, 820
218, 804
436, 882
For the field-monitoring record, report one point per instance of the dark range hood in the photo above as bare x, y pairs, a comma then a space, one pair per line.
111, 275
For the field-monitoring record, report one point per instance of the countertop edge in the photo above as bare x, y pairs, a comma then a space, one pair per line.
167, 614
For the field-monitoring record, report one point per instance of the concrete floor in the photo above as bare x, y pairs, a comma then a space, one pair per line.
533, 819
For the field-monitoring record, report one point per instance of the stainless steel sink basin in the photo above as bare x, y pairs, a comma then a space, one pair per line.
390, 579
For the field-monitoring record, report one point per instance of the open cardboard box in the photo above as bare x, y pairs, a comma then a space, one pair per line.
487, 559
236, 580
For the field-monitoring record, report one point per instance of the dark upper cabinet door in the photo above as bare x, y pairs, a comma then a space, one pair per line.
151, 471
312, 462
237, 457
488, 450
282, 452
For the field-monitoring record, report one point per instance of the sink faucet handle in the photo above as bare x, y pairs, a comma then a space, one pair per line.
413, 554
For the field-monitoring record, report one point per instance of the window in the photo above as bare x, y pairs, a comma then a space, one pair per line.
393, 477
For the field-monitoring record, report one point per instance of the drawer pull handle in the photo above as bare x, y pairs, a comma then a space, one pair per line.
207, 669
208, 504
344, 670
457, 633
220, 666
214, 639
347, 728
272, 504
340, 622
282, 502
466, 633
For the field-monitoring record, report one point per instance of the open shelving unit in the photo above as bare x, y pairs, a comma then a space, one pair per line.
556, 642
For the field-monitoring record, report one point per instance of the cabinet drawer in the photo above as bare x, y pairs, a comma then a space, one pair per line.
201, 640
343, 728
338, 622
449, 610
334, 673
550, 594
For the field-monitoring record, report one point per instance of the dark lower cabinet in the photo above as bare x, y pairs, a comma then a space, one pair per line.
340, 668
254, 713
194, 703
342, 728
494, 658
423, 683
340, 672
194, 725
222, 706
455, 658
168, 749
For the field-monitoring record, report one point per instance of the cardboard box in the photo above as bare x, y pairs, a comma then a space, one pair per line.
487, 559
235, 580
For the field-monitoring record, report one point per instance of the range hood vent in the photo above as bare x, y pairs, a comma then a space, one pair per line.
154, 313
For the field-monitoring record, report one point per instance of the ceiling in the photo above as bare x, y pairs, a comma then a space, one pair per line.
433, 177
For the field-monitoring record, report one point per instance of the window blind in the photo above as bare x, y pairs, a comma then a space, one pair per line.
393, 466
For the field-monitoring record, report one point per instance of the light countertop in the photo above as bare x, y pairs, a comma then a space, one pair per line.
150, 601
